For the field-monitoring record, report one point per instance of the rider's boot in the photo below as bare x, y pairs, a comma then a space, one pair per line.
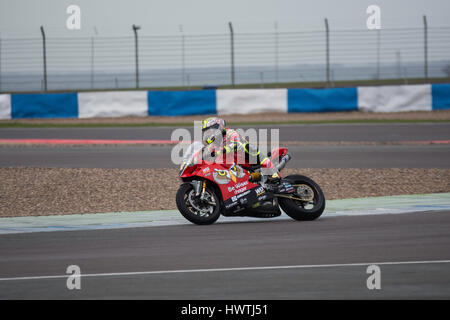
270, 174
274, 178
271, 178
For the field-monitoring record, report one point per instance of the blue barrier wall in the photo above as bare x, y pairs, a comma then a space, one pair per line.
181, 103
440, 94
198, 102
322, 100
50, 105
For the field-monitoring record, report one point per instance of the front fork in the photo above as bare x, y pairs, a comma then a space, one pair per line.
199, 188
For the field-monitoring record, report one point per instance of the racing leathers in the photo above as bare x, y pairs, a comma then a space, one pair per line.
235, 149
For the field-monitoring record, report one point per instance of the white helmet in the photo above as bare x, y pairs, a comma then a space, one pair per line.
212, 129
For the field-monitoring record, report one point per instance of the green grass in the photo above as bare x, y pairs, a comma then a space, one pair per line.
234, 124
309, 84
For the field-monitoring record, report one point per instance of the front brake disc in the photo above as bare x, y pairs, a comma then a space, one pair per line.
197, 206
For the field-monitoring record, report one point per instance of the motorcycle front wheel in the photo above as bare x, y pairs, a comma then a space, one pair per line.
309, 202
201, 212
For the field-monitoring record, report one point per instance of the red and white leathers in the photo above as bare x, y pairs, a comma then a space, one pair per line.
235, 149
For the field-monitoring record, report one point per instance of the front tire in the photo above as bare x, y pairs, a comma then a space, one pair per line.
194, 210
313, 196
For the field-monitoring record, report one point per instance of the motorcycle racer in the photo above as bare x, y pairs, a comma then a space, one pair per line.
212, 187
220, 140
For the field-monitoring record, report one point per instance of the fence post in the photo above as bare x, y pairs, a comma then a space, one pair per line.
327, 34
45, 58
232, 52
183, 70
0, 64
135, 29
378, 54
425, 46
92, 62
398, 55
276, 52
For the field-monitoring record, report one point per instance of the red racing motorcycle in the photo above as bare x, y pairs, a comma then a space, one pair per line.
211, 189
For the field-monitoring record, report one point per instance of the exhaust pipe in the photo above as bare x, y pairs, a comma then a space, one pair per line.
283, 162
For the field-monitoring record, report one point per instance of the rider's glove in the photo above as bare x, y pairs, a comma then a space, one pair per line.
225, 150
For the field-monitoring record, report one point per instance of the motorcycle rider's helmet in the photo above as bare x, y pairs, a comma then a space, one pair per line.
213, 129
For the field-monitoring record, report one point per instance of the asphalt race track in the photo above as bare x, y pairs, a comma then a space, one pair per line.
327, 258
309, 132
320, 156
386, 156
331, 243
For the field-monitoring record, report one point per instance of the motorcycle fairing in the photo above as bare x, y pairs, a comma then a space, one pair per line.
231, 180
277, 154
256, 201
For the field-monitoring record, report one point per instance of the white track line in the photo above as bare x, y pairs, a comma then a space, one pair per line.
226, 269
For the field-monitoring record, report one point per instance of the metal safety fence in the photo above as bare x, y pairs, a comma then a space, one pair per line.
230, 59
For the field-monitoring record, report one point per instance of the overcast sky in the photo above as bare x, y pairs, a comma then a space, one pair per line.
22, 18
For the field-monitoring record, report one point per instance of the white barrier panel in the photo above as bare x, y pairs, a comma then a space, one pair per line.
245, 101
112, 104
5, 106
395, 98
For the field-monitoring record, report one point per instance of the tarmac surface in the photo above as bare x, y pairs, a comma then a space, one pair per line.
326, 258
319, 156
341, 156
308, 132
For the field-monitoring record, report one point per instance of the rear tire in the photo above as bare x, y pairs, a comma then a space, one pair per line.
296, 209
183, 204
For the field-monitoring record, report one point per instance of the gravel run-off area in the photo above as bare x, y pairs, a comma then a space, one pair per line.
46, 191
49, 191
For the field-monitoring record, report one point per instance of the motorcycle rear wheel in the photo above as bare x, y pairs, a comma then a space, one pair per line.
313, 195
190, 206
